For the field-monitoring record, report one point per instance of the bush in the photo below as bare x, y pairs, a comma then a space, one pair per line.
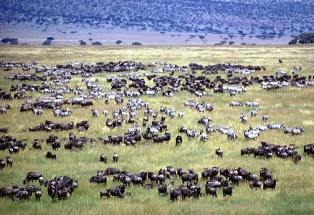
96, 43
118, 42
136, 44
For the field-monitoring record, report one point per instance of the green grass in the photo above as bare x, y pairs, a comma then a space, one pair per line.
293, 106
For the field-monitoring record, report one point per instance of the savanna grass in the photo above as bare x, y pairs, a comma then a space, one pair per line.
293, 106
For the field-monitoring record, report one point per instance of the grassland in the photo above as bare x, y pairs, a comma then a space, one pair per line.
293, 106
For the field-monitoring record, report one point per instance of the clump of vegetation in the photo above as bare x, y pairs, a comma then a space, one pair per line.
118, 42
304, 38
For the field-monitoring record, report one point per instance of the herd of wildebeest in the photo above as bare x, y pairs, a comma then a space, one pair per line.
129, 88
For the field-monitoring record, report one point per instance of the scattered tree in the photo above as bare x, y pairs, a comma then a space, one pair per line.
201, 37
12, 41
96, 43
82, 42
46, 42
50, 38
118, 42
136, 44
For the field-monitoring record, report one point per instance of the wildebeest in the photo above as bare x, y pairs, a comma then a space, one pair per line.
188, 177
51, 155
55, 145
36, 144
178, 140
256, 184
9, 161
235, 104
227, 191
251, 104
38, 195
175, 193
211, 191
31, 176
103, 158
116, 192
2, 164
162, 189
98, 179
270, 184
115, 157
219, 152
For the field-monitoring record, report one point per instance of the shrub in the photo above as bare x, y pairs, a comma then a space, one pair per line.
136, 44
96, 43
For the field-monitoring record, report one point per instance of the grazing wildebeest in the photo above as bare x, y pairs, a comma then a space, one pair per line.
174, 194
115, 157
270, 184
219, 152
51, 155
117, 192
55, 145
31, 176
38, 195
227, 191
98, 179
9, 161
256, 184
103, 158
178, 140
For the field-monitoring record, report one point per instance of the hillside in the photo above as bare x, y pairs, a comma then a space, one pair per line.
261, 19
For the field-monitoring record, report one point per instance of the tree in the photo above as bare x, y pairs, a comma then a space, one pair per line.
46, 42
82, 42
118, 42
136, 44
96, 43
50, 38
201, 37
12, 41
304, 38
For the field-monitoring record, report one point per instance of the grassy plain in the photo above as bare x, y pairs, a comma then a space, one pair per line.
293, 106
